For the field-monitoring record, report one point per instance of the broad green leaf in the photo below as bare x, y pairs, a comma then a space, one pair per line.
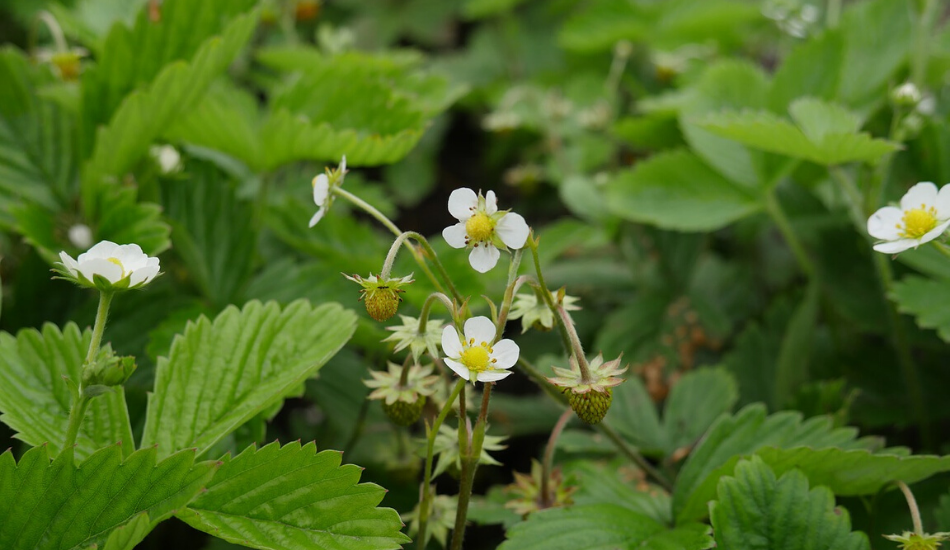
37, 154
768, 132
146, 112
676, 190
35, 400
818, 119
756, 510
694, 403
925, 300
600, 25
733, 437
617, 483
211, 231
791, 368
591, 526
220, 374
294, 498
60, 506
634, 414
812, 69
127, 536
870, 62
853, 471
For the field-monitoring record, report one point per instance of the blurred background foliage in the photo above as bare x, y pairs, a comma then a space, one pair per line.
680, 160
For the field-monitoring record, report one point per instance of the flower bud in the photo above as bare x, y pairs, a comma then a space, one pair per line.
109, 370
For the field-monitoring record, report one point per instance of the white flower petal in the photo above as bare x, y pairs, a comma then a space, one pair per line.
462, 201
505, 353
68, 262
480, 329
143, 275
321, 189
451, 343
934, 233
491, 203
924, 193
893, 247
318, 216
131, 256
484, 257
492, 376
343, 164
102, 249
455, 235
943, 203
459, 368
513, 230
102, 267
883, 223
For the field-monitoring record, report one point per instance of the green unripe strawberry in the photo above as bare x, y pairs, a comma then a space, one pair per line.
590, 406
403, 413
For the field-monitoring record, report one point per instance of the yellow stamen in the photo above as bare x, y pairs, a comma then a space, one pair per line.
480, 227
118, 263
918, 222
476, 358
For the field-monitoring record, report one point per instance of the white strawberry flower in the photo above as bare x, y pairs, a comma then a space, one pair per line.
483, 228
110, 266
476, 358
321, 189
924, 215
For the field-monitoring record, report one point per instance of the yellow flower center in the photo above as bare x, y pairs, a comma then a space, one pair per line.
118, 263
479, 227
477, 358
918, 222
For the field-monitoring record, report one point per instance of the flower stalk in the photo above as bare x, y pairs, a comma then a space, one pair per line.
547, 498
469, 466
914, 510
431, 433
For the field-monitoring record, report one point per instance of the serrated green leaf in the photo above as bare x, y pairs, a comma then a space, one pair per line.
146, 112
768, 132
634, 414
678, 191
924, 299
220, 374
869, 61
817, 118
756, 510
853, 471
59, 506
732, 437
35, 400
591, 526
617, 483
811, 69
292, 497
127, 536
696, 400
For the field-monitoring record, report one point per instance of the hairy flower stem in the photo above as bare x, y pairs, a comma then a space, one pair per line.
912, 504
547, 498
577, 348
546, 294
469, 465
54, 30
785, 227
427, 495
510, 290
81, 401
381, 218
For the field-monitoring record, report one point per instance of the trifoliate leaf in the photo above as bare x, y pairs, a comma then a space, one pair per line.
61, 506
220, 374
923, 298
757, 509
35, 400
292, 497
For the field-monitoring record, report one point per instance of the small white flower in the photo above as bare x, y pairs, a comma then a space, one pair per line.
80, 236
477, 358
110, 266
168, 158
483, 228
924, 215
321, 190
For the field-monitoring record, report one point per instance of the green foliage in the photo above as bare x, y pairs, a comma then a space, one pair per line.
35, 399
733, 437
220, 374
293, 497
601, 526
757, 509
923, 298
62, 506
678, 191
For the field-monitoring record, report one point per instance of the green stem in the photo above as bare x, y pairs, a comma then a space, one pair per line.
510, 289
577, 348
81, 402
633, 455
942, 248
785, 227
469, 466
388, 224
914, 510
427, 476
546, 295
922, 42
547, 499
